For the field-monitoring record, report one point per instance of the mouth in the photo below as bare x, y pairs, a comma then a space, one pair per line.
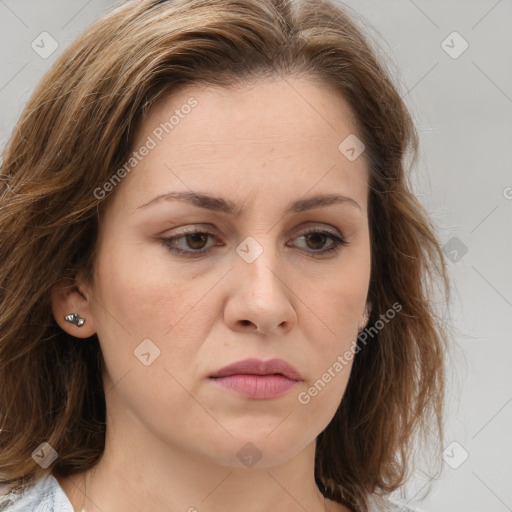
258, 379
258, 367
260, 387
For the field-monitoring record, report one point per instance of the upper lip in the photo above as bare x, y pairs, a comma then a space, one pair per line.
258, 367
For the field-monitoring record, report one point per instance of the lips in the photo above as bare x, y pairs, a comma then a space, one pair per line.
259, 367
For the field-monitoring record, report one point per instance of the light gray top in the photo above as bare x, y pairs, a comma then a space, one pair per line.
46, 495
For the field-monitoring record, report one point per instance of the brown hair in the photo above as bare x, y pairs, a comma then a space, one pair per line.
79, 126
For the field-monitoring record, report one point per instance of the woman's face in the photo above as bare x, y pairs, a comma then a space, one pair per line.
254, 284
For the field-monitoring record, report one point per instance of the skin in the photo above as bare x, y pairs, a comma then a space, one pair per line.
173, 435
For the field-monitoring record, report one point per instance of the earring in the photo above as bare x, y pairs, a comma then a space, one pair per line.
75, 319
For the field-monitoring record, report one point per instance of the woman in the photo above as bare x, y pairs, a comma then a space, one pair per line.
216, 282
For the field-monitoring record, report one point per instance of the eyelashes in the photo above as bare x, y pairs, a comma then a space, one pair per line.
198, 237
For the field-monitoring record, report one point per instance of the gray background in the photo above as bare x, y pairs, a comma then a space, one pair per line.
462, 105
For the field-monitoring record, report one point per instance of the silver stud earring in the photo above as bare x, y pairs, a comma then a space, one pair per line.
75, 319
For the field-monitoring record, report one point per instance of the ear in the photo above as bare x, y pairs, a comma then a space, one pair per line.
68, 297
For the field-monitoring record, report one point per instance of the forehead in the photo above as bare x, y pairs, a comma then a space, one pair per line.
234, 113
281, 133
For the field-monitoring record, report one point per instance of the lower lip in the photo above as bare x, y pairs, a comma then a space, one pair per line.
257, 386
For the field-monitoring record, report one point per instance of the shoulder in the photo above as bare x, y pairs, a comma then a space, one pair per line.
45, 495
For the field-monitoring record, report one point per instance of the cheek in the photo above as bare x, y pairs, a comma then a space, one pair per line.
142, 297
335, 303
331, 316
331, 326
137, 289
320, 398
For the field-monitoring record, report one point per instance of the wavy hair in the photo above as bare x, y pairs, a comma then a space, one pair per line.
79, 126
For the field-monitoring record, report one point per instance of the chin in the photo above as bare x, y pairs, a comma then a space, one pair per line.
263, 449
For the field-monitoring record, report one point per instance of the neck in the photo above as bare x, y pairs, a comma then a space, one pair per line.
174, 480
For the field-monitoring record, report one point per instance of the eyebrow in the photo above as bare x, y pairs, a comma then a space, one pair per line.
229, 207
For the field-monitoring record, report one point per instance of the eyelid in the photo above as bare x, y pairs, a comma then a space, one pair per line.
212, 230
339, 240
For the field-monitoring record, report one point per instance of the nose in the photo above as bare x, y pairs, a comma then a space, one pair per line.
261, 298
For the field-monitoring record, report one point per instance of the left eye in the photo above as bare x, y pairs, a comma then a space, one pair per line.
196, 241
